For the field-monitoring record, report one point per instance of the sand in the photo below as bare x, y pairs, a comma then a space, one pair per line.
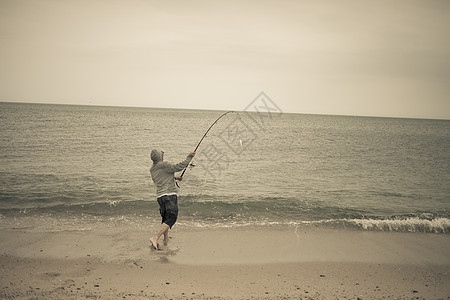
246, 263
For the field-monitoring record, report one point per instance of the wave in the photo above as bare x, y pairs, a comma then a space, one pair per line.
439, 225
212, 212
415, 224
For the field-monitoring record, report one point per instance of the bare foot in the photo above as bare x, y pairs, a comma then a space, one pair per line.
154, 244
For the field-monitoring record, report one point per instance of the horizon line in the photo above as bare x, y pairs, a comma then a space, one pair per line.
210, 109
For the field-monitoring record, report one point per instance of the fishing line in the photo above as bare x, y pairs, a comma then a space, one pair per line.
203, 137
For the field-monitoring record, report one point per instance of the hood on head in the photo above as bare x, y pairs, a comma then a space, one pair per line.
157, 155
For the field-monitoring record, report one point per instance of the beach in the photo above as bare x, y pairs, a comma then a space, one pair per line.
248, 263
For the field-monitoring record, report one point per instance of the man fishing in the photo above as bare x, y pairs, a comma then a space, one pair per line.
163, 176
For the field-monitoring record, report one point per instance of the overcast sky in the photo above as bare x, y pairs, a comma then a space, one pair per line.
376, 58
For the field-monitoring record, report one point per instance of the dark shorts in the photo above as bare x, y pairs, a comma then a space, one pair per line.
168, 207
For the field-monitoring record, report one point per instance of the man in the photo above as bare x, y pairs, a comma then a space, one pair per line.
163, 176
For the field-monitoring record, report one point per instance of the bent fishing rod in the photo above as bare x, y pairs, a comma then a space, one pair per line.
201, 140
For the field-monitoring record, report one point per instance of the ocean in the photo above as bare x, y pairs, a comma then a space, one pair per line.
66, 167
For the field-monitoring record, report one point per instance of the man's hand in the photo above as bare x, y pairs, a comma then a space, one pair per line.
179, 178
192, 154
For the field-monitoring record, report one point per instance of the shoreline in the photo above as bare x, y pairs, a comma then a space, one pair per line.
255, 245
224, 264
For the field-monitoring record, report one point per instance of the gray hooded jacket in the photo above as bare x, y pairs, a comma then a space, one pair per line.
163, 173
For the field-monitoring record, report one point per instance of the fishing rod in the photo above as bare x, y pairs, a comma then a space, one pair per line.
201, 140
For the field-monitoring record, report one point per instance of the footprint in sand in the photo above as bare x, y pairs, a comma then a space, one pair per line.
164, 252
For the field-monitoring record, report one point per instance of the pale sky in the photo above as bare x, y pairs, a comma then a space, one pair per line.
372, 58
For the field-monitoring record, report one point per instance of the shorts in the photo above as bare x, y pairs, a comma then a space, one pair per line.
168, 207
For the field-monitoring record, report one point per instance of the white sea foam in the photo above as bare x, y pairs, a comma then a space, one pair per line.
113, 203
415, 224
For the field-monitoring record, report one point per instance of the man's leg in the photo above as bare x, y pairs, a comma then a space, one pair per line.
169, 213
164, 229
166, 237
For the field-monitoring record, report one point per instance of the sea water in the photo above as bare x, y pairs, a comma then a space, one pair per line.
68, 167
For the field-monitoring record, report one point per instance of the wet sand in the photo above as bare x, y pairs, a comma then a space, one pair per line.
232, 264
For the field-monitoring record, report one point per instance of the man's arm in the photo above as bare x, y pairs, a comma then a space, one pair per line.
180, 166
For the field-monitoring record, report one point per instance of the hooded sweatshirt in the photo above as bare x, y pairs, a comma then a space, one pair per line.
163, 173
